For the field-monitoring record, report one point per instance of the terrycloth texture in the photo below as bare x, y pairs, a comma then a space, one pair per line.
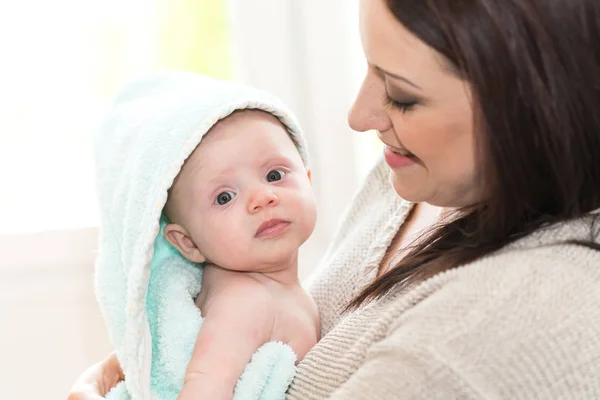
145, 288
523, 323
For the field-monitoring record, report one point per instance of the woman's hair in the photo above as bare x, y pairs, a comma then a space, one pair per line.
534, 70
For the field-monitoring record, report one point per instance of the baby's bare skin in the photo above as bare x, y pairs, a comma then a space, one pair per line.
294, 314
242, 311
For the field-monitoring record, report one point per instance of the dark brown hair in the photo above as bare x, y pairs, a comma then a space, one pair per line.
534, 70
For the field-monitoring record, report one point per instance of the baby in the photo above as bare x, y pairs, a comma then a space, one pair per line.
243, 204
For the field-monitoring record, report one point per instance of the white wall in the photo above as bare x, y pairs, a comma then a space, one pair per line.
50, 326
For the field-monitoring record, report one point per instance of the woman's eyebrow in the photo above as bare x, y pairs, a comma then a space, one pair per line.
400, 77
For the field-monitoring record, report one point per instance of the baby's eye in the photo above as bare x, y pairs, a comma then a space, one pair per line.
224, 198
275, 175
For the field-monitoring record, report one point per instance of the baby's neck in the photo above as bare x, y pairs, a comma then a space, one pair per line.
284, 274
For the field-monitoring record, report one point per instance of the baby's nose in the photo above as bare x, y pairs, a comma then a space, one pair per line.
262, 198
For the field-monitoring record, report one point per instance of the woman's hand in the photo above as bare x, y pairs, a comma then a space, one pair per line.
96, 381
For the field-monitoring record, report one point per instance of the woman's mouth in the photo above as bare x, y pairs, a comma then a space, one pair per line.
397, 158
272, 228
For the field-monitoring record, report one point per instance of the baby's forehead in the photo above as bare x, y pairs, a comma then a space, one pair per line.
219, 137
239, 116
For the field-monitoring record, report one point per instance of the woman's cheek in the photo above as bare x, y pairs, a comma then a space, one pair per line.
416, 136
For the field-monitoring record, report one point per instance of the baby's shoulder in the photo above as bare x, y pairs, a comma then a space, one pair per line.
232, 290
297, 307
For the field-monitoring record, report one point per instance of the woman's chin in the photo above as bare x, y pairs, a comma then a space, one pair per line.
405, 191
415, 192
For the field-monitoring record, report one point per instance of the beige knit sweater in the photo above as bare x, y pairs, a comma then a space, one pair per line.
523, 323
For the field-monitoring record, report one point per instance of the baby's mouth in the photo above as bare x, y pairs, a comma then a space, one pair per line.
272, 228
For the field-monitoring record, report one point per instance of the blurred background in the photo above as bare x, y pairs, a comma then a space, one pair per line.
61, 63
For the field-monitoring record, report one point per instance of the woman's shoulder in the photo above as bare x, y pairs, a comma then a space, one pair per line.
523, 318
518, 322
553, 254
542, 281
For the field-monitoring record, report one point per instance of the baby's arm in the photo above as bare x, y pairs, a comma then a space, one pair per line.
238, 321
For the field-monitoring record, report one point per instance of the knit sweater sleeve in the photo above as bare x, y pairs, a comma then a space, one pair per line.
403, 372
516, 326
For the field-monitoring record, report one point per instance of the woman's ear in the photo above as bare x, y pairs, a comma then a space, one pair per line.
181, 240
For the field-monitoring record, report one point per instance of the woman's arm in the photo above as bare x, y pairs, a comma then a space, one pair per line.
95, 382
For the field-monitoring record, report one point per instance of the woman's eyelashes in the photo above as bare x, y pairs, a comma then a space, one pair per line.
403, 106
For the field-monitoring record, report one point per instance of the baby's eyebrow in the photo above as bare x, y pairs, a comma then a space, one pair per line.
277, 158
218, 180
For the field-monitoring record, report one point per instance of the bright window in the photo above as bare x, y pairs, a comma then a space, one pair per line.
62, 62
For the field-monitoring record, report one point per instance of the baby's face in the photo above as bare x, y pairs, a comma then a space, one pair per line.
244, 195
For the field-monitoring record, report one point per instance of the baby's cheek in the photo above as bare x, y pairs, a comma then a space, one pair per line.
216, 239
307, 209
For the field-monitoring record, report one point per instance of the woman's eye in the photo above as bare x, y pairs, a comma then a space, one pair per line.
402, 106
275, 175
224, 198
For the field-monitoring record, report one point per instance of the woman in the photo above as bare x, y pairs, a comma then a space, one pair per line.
476, 273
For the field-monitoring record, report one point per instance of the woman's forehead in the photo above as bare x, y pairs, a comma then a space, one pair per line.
387, 44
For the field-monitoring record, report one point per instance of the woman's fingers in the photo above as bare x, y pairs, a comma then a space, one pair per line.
111, 373
84, 396
97, 380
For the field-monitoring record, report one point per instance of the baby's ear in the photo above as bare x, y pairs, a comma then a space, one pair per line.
309, 173
181, 240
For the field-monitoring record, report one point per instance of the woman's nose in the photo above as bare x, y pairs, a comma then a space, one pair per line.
262, 198
368, 111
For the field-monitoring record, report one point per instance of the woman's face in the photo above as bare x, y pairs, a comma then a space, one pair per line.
420, 110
